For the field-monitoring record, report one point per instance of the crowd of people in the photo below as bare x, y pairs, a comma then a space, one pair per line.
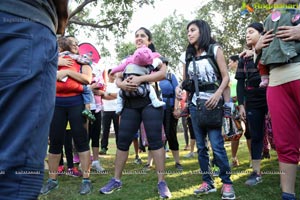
64, 104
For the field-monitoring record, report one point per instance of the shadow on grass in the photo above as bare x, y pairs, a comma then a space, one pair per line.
143, 184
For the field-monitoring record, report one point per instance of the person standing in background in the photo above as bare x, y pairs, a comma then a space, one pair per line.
109, 111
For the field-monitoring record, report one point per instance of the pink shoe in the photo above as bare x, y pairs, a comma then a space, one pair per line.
74, 172
60, 170
76, 159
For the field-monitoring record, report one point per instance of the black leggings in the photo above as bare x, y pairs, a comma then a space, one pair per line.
130, 123
170, 125
107, 117
68, 150
94, 129
58, 128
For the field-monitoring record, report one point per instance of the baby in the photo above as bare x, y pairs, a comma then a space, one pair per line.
142, 62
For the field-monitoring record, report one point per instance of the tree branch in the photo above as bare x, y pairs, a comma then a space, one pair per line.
80, 8
78, 22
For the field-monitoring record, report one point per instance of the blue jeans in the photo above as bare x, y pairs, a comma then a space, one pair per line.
218, 149
28, 68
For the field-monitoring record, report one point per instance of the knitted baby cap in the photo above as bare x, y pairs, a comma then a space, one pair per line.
143, 56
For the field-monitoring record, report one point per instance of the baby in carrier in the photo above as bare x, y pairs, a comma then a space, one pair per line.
142, 62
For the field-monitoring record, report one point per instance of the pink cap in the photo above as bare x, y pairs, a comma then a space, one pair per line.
143, 56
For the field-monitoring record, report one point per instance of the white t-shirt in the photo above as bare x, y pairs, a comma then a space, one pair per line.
205, 72
110, 105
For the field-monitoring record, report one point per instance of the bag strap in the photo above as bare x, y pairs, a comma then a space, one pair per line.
196, 83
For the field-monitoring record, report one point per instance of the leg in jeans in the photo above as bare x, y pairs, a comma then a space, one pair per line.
201, 142
27, 86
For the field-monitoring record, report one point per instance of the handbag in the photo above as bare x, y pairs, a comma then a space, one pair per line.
210, 118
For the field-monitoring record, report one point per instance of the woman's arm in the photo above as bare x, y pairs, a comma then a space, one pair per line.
153, 77
213, 101
85, 77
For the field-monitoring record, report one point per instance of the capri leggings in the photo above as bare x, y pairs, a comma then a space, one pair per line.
130, 122
58, 128
170, 126
256, 123
95, 129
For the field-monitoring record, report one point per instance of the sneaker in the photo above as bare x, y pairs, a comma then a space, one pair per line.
253, 179
138, 160
147, 167
178, 166
76, 159
167, 156
74, 172
205, 188
111, 186
50, 185
103, 151
60, 170
163, 190
97, 166
189, 155
86, 187
227, 191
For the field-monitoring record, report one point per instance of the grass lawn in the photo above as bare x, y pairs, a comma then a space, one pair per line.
138, 184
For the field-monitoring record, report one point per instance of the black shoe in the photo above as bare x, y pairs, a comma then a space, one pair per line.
178, 166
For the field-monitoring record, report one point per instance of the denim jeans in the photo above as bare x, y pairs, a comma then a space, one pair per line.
218, 149
28, 66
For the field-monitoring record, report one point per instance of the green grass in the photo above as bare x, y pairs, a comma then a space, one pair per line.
143, 186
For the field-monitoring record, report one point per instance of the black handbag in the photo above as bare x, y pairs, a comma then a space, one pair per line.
212, 118
208, 118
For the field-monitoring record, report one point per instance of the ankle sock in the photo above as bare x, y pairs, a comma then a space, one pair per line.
85, 180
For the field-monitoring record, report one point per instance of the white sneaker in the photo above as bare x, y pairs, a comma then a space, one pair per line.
96, 166
167, 156
190, 155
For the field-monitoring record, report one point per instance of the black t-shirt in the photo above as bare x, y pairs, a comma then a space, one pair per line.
248, 90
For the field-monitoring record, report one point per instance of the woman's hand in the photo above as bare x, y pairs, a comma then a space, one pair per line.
176, 113
135, 80
213, 101
288, 33
60, 75
178, 93
246, 53
126, 85
242, 112
68, 62
264, 41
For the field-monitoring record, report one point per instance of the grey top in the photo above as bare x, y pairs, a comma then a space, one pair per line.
40, 11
